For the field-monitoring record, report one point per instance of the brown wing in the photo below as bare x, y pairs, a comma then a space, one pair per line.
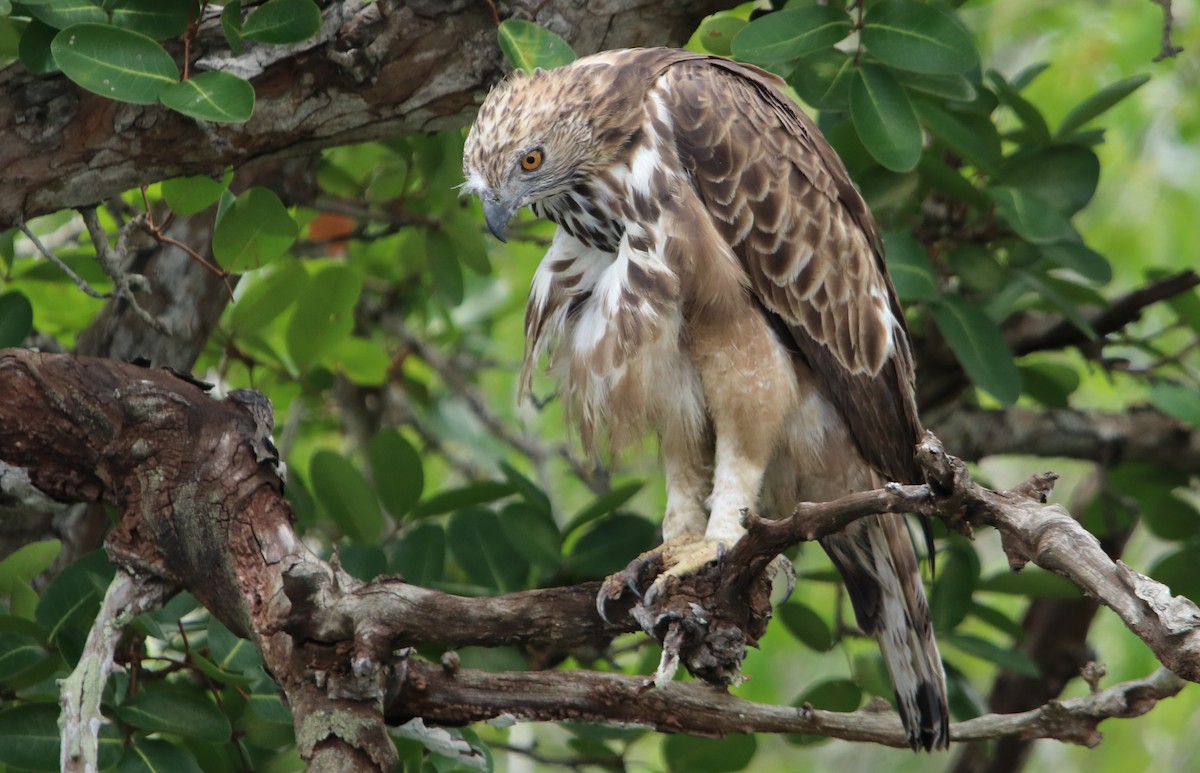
784, 201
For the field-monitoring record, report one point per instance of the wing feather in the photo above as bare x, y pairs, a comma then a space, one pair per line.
785, 203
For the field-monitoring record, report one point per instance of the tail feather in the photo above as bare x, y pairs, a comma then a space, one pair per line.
876, 559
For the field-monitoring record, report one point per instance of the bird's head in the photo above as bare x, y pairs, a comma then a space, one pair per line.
533, 139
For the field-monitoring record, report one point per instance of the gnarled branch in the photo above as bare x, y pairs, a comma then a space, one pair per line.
212, 519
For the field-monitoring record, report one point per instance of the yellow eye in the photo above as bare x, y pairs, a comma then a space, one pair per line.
532, 160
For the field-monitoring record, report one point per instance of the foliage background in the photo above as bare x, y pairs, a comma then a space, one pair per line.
388, 332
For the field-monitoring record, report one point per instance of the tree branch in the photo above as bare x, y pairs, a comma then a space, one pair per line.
212, 519
376, 70
1139, 435
465, 695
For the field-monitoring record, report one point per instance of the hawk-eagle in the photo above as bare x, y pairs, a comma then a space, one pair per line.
717, 279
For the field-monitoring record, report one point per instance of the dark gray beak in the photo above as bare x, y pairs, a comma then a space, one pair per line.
497, 216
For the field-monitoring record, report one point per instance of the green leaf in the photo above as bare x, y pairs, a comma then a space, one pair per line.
263, 295
34, 48
1170, 517
29, 737
527, 46
256, 230
363, 562
114, 63
189, 195
361, 361
823, 79
154, 755
1182, 402
884, 118
481, 547
231, 25
528, 490
539, 542
153, 18
218, 674
979, 347
324, 314
1069, 308
604, 504
806, 625
1005, 657
937, 173
1097, 103
73, 597
61, 14
1030, 215
419, 554
282, 22
610, 544
398, 472
176, 710
16, 319
778, 37
346, 495
998, 620
467, 241
228, 651
910, 267
709, 755
918, 37
1080, 258
828, 695
453, 499
444, 267
1050, 383
958, 574
1029, 115
1032, 582
211, 96
18, 654
1065, 176
27, 561
955, 88
978, 143
716, 32
1176, 570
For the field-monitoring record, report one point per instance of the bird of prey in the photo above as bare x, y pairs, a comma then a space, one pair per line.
716, 279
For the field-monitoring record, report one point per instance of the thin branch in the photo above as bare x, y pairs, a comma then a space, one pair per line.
458, 382
113, 265
50, 256
1123, 311
1138, 435
127, 597
1169, 49
467, 695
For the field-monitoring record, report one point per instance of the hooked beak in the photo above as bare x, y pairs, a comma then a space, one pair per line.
497, 215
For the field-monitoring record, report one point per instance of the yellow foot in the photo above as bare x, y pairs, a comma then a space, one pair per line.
665, 563
703, 610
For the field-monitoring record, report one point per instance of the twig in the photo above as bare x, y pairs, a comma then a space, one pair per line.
128, 596
458, 382
1124, 311
50, 256
1169, 49
158, 232
1138, 435
471, 696
113, 265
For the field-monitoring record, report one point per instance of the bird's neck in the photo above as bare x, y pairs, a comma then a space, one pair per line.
587, 213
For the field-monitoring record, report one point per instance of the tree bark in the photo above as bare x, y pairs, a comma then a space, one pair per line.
374, 71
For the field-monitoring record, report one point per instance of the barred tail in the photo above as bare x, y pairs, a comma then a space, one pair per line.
876, 559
